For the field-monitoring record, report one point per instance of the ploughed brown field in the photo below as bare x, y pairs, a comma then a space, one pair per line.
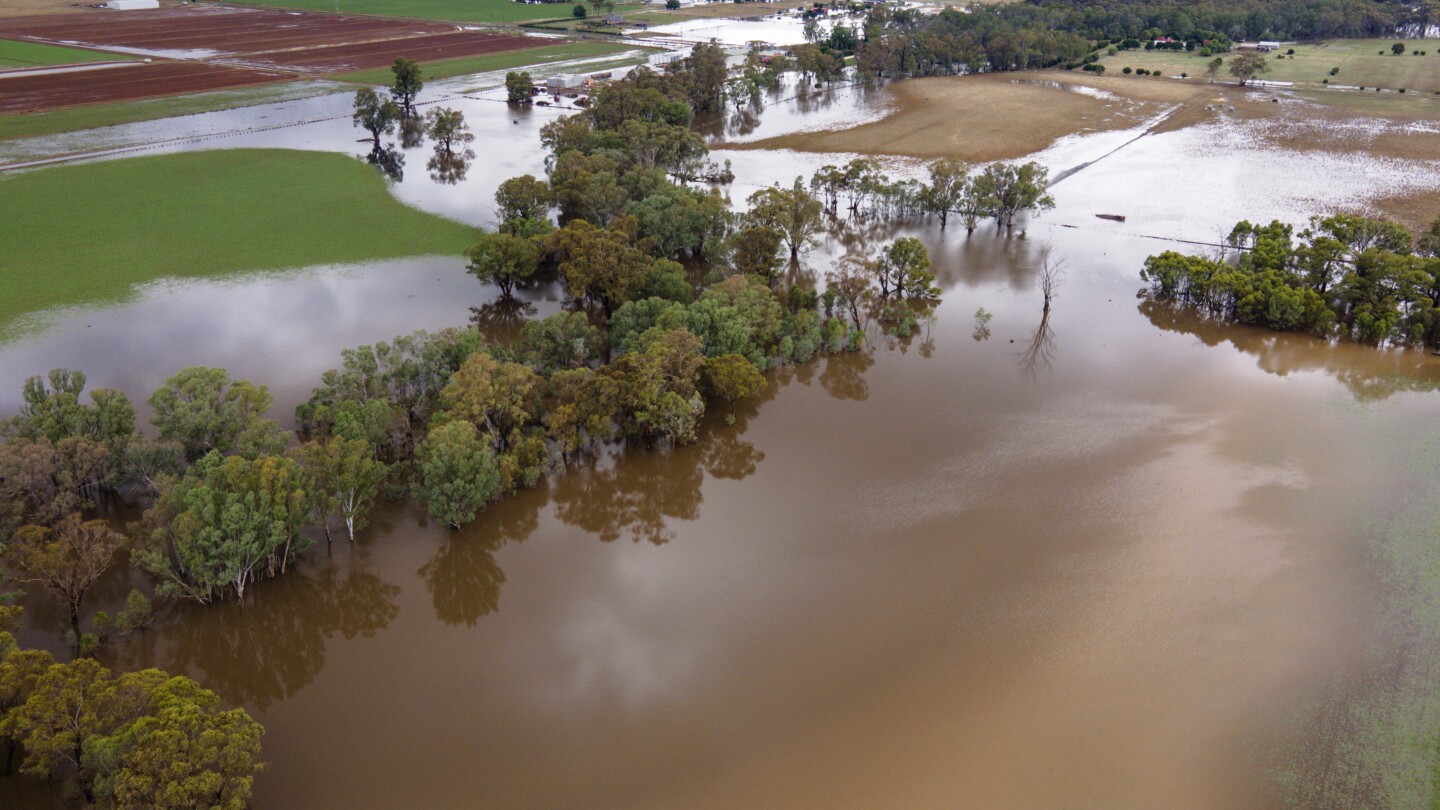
210, 48
51, 90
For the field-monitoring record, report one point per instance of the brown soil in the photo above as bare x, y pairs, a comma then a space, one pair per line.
366, 55
997, 116
246, 46
223, 29
126, 83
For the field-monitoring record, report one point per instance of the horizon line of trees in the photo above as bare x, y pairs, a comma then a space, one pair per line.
898, 43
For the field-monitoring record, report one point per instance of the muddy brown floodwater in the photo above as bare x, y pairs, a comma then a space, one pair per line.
1118, 558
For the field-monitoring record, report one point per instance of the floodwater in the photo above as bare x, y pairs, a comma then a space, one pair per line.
1117, 557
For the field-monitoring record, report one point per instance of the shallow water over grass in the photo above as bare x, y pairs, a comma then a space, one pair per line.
1118, 557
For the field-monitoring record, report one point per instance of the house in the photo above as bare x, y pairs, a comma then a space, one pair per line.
563, 81
130, 5
1265, 46
613, 19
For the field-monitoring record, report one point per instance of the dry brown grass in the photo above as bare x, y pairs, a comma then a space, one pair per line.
996, 116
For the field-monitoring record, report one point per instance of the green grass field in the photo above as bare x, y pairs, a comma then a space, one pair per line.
1359, 61
16, 54
89, 233
494, 61
456, 10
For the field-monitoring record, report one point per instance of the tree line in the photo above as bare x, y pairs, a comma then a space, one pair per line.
897, 43
1343, 276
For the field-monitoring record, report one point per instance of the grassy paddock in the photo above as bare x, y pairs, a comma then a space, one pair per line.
90, 116
495, 61
89, 233
456, 10
17, 54
1359, 61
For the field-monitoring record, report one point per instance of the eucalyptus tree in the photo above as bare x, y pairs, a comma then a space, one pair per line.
407, 84
793, 212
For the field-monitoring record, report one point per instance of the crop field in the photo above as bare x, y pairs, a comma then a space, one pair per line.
94, 230
16, 54
1366, 63
214, 47
455, 10
20, 94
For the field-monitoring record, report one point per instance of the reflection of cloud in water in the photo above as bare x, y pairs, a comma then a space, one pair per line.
280, 329
1233, 174
1067, 430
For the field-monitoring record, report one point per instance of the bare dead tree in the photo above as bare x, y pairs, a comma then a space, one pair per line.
1051, 273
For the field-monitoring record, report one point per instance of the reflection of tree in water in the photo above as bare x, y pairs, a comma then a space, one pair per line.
463, 577
272, 647
412, 131
389, 161
1370, 374
636, 492
1040, 352
742, 122
448, 167
500, 320
633, 494
843, 376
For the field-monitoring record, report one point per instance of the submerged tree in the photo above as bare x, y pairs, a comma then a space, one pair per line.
793, 212
731, 377
519, 87
204, 409
458, 473
523, 198
903, 268
67, 558
135, 740
602, 265
452, 136
343, 478
949, 186
375, 115
1050, 274
502, 259
227, 523
407, 85
1009, 189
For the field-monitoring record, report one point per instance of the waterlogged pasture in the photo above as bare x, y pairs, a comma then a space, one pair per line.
88, 232
1120, 556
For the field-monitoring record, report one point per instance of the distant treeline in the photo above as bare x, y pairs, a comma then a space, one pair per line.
1050, 33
